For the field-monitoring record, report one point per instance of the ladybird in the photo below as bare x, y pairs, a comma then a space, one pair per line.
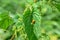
33, 22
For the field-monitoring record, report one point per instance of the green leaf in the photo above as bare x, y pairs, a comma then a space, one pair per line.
5, 20
27, 18
37, 25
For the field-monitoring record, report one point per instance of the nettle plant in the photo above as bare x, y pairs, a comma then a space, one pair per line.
30, 20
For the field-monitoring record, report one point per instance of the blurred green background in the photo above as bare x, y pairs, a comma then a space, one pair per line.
29, 19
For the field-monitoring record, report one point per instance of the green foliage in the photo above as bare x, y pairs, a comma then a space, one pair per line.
29, 19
